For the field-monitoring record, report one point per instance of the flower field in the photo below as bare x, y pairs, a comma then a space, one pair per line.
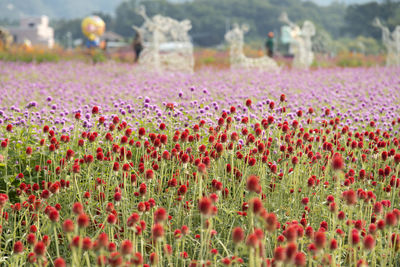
106, 166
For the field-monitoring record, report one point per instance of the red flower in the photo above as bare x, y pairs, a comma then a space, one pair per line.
126, 247
95, 110
300, 259
350, 196
319, 239
149, 174
76, 168
333, 244
248, 102
205, 206
28, 150
168, 249
391, 219
124, 139
102, 240
337, 162
115, 120
185, 229
253, 184
68, 226
117, 196
18, 247
256, 205
355, 237
160, 215
299, 113
87, 244
116, 166
70, 154
83, 220
3, 200
396, 158
226, 261
291, 250
201, 168
237, 235
77, 208
182, 189
31, 239
4, 144
40, 248
153, 258
369, 242
157, 231
378, 208
76, 241
111, 219
115, 259
141, 131
54, 216
137, 258
280, 254
45, 194
59, 262
271, 221
252, 241
31, 257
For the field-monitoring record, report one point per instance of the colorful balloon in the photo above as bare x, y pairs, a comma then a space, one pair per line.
93, 27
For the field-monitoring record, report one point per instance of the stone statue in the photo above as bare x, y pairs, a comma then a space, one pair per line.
237, 58
391, 42
167, 45
300, 42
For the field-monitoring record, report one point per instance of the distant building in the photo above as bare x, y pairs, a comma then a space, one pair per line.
110, 36
113, 41
36, 30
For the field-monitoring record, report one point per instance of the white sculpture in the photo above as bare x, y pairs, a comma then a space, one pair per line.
167, 45
300, 43
237, 58
392, 43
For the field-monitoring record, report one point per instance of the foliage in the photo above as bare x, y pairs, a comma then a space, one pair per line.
35, 54
64, 27
210, 19
359, 18
98, 56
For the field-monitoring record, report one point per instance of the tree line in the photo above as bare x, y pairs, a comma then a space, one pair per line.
211, 19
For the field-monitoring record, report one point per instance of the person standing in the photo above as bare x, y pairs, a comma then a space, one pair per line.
269, 44
137, 45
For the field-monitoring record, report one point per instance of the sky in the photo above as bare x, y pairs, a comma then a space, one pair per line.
77, 8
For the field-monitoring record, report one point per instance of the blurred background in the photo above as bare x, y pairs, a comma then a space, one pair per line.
345, 34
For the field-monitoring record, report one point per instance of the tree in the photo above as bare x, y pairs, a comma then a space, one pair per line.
358, 18
62, 27
210, 19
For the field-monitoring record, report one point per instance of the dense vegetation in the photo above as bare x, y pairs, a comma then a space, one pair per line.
210, 19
